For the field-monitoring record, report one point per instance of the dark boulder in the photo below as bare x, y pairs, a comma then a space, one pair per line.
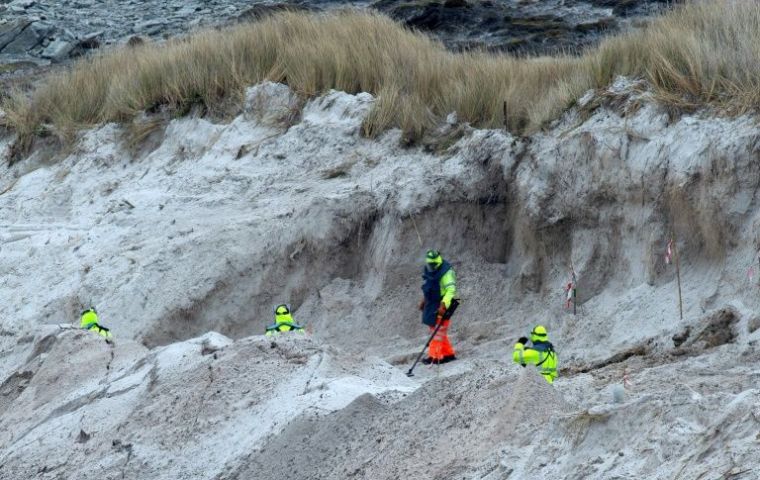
10, 31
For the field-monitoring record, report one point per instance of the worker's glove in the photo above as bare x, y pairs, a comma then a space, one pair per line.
441, 310
422, 304
523, 340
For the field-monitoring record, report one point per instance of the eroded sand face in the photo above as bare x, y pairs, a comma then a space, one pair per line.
208, 226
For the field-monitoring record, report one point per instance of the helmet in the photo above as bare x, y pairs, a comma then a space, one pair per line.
538, 334
91, 309
433, 259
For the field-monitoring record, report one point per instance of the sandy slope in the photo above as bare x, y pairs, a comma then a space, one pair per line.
180, 411
208, 225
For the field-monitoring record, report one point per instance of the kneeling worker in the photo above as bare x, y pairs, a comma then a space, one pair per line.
541, 353
89, 321
283, 322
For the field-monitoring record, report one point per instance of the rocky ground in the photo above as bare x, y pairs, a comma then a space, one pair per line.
38, 32
520, 26
204, 226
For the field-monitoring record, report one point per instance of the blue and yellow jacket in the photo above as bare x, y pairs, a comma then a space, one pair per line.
540, 354
89, 321
283, 323
439, 286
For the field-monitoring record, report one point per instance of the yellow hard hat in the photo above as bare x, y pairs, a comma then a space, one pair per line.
539, 333
433, 258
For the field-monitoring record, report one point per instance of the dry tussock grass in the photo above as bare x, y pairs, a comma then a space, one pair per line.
703, 53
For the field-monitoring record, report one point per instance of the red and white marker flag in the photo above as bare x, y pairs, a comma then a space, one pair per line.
669, 252
570, 287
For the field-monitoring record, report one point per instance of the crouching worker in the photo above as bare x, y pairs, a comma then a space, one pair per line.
283, 322
89, 321
541, 353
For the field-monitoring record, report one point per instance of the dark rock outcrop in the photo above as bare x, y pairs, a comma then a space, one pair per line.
525, 27
44, 32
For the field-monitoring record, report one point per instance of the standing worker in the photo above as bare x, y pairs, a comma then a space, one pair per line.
439, 289
89, 321
283, 321
540, 354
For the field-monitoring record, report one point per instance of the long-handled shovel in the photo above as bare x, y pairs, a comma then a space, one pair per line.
447, 315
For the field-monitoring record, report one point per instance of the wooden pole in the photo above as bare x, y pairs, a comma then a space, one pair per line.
575, 294
678, 273
506, 125
575, 300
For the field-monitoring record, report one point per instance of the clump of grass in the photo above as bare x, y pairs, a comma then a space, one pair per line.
705, 53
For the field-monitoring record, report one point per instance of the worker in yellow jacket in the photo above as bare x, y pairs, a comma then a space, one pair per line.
89, 321
283, 322
541, 353
439, 289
